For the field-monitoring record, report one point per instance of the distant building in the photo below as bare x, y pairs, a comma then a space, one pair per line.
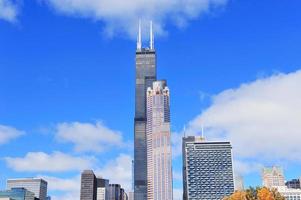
294, 184
207, 169
238, 183
114, 192
102, 189
289, 193
159, 170
36, 185
88, 189
16, 194
272, 177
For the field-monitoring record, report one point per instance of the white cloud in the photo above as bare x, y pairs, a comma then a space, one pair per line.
8, 10
8, 133
118, 171
121, 16
55, 162
262, 119
69, 188
89, 137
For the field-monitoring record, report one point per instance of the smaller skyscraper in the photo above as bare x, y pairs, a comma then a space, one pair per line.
17, 194
273, 177
159, 170
88, 190
36, 185
207, 169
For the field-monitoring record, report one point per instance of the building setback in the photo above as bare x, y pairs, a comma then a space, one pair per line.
207, 169
36, 185
102, 189
88, 189
145, 76
159, 170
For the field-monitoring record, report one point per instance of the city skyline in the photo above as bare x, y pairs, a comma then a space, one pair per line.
67, 79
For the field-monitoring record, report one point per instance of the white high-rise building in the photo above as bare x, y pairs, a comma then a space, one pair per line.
273, 177
159, 170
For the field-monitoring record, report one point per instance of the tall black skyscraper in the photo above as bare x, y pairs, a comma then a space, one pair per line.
146, 74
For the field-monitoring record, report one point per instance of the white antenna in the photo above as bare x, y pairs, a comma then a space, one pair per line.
139, 44
151, 36
185, 131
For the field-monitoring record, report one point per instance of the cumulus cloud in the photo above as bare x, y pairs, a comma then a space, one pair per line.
89, 137
121, 16
8, 133
118, 171
8, 10
42, 162
69, 188
262, 119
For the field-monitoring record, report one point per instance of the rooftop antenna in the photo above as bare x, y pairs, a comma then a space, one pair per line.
185, 131
151, 36
139, 44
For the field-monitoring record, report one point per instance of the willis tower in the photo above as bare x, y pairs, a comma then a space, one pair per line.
146, 74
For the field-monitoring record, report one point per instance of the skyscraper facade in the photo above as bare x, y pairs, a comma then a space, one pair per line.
207, 169
159, 170
17, 194
273, 177
146, 74
36, 185
88, 189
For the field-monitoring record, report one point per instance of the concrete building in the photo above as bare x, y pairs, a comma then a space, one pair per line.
272, 177
17, 194
131, 196
36, 185
159, 170
88, 189
146, 74
207, 169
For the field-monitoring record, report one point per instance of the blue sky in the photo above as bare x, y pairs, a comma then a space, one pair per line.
66, 71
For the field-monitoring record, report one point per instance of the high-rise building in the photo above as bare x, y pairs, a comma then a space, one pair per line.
207, 169
289, 193
159, 170
17, 194
146, 74
36, 185
294, 183
102, 189
273, 177
131, 196
88, 189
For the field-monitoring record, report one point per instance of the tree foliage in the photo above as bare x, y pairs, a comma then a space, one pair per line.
256, 194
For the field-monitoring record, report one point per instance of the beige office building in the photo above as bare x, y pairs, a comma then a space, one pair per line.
272, 177
159, 170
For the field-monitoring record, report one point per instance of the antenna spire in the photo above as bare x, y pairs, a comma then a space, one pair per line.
185, 131
151, 36
139, 44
